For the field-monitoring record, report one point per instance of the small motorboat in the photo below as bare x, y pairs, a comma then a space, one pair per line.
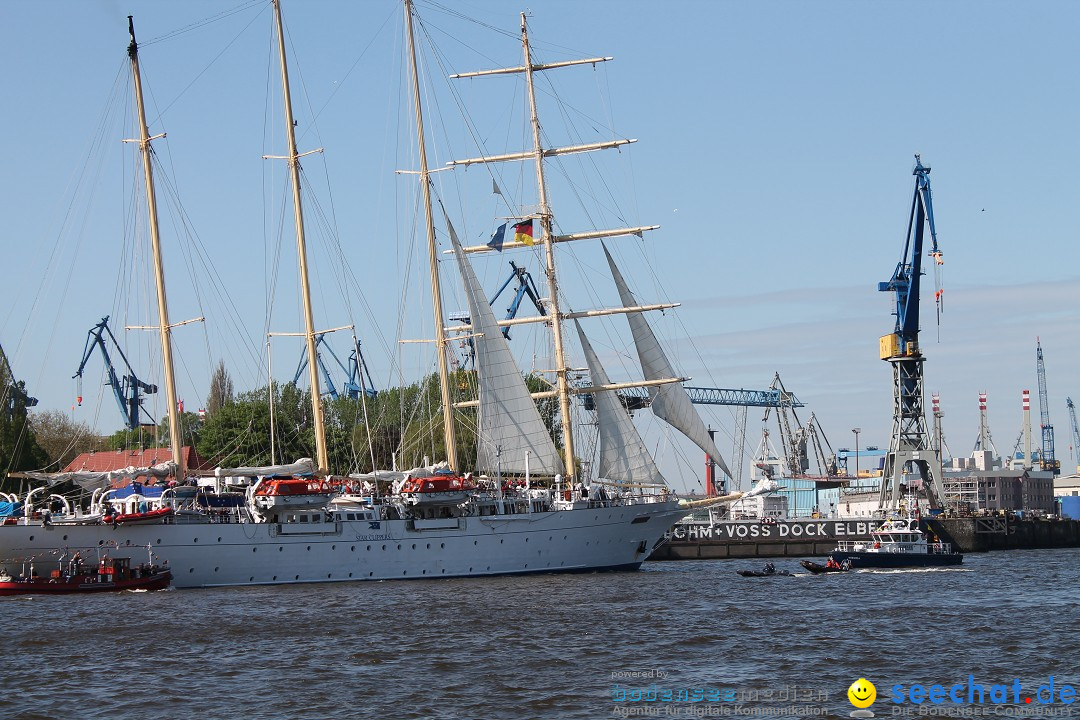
768, 571
111, 575
818, 568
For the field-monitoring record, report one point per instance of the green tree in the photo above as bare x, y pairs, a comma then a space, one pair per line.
62, 438
221, 389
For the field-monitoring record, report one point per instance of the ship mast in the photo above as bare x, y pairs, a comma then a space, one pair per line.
436, 291
562, 386
159, 273
322, 459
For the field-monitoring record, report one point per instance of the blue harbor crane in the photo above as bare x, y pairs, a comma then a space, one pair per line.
127, 390
526, 287
1075, 427
355, 373
1047, 460
910, 441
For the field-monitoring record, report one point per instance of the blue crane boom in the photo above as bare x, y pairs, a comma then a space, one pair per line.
1075, 427
1047, 460
128, 390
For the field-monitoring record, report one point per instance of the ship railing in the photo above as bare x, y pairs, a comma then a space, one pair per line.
939, 548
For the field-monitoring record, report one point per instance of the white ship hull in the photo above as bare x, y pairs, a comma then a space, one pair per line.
216, 554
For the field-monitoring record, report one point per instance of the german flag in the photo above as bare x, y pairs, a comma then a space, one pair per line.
523, 232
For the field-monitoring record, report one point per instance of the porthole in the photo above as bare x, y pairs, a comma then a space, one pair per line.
429, 546
194, 540
215, 569
297, 577
442, 545
251, 579
328, 575
219, 539
350, 574
65, 537
281, 548
275, 577
191, 570
100, 542
254, 549
309, 548
333, 547
352, 549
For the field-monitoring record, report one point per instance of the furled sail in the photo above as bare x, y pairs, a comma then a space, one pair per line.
91, 480
303, 466
623, 456
670, 402
510, 424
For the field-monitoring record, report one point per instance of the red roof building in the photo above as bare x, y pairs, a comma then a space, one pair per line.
107, 460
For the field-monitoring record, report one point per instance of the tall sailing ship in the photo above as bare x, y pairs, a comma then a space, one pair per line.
300, 524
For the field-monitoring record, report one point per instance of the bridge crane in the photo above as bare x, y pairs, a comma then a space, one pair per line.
1046, 460
127, 389
911, 441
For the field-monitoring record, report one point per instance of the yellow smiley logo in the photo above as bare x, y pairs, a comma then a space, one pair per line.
862, 693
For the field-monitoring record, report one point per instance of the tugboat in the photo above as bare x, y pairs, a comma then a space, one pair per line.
111, 575
898, 543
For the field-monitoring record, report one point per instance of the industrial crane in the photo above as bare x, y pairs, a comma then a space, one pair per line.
526, 287
126, 390
354, 374
910, 441
1075, 427
1046, 460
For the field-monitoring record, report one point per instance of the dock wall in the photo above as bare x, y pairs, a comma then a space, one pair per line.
816, 538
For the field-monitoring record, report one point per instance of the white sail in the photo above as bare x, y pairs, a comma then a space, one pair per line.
669, 402
623, 456
510, 424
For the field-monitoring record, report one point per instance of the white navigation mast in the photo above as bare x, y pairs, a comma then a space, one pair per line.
159, 273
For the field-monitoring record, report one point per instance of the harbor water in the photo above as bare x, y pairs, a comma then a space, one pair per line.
553, 646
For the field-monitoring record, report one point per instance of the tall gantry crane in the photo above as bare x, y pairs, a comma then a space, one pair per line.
128, 390
1047, 460
910, 441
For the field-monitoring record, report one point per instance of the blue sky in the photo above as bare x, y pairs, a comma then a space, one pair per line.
776, 142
